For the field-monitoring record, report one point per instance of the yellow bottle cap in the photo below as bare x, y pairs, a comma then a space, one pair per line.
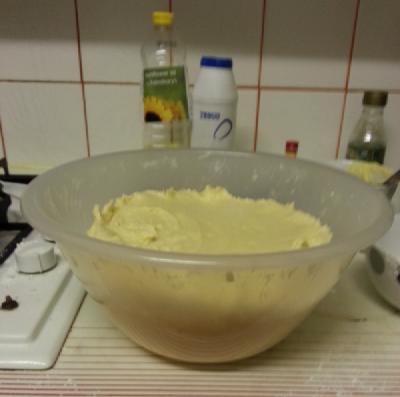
162, 18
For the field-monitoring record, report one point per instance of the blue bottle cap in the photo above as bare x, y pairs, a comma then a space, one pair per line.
215, 62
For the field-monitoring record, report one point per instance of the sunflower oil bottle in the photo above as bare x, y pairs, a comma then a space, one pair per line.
165, 94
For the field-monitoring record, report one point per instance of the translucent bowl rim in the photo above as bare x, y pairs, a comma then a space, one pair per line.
107, 250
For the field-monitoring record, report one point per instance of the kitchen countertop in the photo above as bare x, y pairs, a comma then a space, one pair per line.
349, 346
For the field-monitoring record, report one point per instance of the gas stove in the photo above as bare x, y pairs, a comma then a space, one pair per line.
39, 296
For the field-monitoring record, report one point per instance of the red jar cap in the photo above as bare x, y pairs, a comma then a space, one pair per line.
292, 146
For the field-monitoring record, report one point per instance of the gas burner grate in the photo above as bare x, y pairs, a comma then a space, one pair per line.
11, 233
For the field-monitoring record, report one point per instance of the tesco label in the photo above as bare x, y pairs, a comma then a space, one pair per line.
210, 115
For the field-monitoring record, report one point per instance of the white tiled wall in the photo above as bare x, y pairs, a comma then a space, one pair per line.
226, 28
70, 72
43, 124
376, 60
113, 117
307, 43
314, 121
111, 35
38, 40
246, 120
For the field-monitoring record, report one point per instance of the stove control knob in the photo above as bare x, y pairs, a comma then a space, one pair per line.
35, 257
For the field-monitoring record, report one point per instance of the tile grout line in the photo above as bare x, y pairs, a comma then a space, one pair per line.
393, 91
261, 50
78, 39
121, 83
300, 88
43, 81
39, 81
3, 142
346, 85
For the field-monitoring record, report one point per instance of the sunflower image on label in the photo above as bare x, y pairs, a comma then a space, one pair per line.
164, 94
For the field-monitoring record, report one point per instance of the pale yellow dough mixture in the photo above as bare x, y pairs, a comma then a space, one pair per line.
370, 172
211, 221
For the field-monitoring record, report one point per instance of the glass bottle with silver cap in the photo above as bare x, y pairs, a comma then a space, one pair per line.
368, 141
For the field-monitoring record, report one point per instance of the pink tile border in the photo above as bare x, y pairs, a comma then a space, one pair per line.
240, 87
301, 89
260, 54
2, 140
94, 82
346, 86
41, 81
78, 40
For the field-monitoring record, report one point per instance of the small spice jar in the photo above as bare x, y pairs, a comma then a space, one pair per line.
291, 148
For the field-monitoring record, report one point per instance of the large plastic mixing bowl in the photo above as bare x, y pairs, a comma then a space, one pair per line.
203, 308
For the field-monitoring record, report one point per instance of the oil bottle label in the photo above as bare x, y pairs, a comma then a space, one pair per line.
164, 94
